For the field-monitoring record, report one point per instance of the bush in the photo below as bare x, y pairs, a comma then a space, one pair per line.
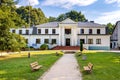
44, 47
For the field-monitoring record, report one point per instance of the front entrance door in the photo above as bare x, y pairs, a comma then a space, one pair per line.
67, 41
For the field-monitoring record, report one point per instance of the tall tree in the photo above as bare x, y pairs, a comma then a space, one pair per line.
74, 15
9, 19
36, 15
110, 28
51, 19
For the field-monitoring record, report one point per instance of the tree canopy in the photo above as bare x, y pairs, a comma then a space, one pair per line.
35, 15
74, 15
110, 28
9, 19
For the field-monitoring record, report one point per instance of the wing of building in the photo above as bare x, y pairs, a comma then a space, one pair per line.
67, 33
115, 37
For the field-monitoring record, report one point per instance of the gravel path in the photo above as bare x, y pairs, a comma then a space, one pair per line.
66, 68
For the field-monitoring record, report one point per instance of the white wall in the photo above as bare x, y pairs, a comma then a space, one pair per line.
105, 39
23, 30
49, 30
32, 39
118, 34
94, 30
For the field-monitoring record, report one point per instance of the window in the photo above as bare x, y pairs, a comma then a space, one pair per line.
90, 31
37, 41
82, 31
46, 41
53, 31
46, 31
13, 31
98, 41
82, 40
90, 41
26, 40
53, 41
114, 44
67, 31
27, 31
20, 31
98, 31
39, 31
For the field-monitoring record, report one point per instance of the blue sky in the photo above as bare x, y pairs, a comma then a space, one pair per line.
100, 11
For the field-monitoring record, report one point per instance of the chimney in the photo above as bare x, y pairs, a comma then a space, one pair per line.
92, 21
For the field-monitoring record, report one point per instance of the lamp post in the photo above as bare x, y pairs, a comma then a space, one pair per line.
29, 32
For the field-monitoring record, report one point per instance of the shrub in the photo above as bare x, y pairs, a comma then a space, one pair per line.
44, 47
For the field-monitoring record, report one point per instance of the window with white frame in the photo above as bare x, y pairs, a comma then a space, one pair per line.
90, 41
98, 41
27, 31
46, 31
53, 41
46, 41
98, 31
13, 31
82, 31
38, 41
53, 31
90, 31
20, 31
39, 31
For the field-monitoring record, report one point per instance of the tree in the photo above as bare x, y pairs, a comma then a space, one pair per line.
36, 15
9, 19
61, 17
51, 19
74, 15
110, 28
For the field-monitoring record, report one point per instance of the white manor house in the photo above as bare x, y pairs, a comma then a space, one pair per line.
67, 33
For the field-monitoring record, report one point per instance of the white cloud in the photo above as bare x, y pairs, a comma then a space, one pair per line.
18, 6
68, 3
108, 17
26, 2
113, 1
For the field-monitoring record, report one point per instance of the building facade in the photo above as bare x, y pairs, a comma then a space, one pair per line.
67, 33
115, 37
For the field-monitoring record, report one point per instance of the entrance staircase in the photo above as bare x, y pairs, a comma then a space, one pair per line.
66, 48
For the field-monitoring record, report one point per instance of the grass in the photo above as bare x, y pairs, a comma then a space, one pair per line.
106, 65
17, 66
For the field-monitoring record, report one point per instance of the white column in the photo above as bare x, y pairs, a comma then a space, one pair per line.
72, 37
60, 33
63, 37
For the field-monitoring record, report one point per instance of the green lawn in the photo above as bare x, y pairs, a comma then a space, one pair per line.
17, 66
106, 65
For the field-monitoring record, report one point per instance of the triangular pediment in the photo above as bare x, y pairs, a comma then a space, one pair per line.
68, 20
